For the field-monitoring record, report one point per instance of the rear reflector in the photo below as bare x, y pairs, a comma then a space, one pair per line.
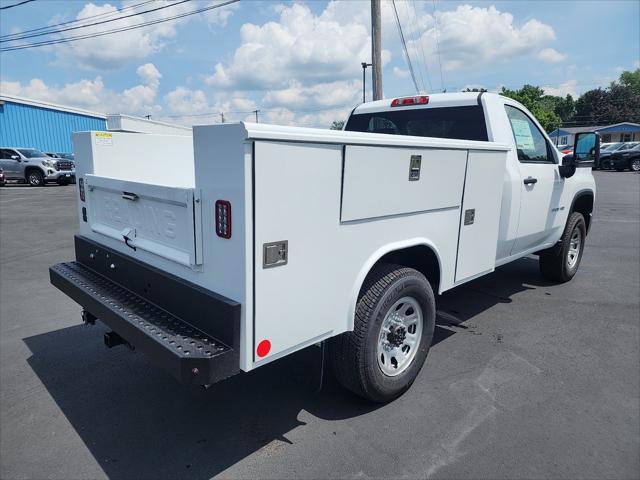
406, 101
223, 219
81, 188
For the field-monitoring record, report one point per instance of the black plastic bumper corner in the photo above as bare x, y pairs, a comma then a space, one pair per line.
189, 331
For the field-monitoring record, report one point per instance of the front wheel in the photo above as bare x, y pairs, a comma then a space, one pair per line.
560, 262
35, 178
635, 165
392, 333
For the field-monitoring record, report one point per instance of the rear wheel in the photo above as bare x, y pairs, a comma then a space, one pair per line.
393, 329
35, 178
560, 262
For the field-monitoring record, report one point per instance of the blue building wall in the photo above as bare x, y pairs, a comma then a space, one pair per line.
42, 128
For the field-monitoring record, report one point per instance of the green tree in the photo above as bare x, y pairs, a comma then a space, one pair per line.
631, 80
337, 125
618, 103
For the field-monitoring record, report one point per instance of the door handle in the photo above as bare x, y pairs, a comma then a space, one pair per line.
530, 181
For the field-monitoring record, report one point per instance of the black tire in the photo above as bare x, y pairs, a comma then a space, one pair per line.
35, 178
554, 262
354, 354
634, 165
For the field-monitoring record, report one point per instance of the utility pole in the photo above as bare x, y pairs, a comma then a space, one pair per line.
376, 46
222, 116
364, 79
256, 112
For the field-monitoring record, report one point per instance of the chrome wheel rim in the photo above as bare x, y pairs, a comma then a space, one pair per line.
400, 336
635, 165
34, 179
575, 245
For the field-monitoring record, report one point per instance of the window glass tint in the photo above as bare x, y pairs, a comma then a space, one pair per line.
31, 153
530, 143
463, 123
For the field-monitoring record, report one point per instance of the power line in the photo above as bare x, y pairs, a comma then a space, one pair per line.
404, 46
52, 28
414, 20
16, 4
23, 37
115, 30
435, 20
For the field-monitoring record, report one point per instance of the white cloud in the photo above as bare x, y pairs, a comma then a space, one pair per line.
551, 55
400, 73
299, 46
114, 50
470, 36
93, 95
567, 88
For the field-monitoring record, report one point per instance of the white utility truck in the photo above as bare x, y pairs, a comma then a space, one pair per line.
226, 251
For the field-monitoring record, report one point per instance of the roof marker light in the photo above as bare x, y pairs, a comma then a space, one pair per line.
406, 101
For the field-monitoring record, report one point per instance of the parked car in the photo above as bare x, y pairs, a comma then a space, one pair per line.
626, 158
605, 157
565, 149
2, 179
30, 165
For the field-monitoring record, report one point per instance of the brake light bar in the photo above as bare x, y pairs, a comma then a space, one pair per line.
223, 219
406, 101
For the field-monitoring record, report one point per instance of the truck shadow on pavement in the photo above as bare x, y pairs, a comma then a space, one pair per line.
139, 423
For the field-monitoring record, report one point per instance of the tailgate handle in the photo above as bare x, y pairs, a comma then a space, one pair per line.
130, 196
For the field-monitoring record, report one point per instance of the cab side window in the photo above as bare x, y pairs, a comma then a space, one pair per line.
530, 142
5, 154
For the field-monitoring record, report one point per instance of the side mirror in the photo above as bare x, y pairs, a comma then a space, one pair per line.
586, 147
15, 157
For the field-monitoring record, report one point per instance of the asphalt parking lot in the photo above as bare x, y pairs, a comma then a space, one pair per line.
538, 381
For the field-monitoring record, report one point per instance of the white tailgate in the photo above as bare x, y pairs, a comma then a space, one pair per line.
162, 220
482, 198
376, 181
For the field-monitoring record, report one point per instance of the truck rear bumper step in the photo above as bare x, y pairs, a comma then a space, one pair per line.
190, 354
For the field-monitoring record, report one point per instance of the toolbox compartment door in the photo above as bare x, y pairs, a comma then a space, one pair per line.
480, 214
165, 221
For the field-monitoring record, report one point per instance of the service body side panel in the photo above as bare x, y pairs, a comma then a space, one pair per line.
377, 184
297, 200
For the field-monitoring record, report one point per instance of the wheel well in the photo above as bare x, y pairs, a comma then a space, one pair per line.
30, 169
584, 205
420, 257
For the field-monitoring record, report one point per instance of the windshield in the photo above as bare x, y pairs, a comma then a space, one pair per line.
462, 123
67, 156
31, 153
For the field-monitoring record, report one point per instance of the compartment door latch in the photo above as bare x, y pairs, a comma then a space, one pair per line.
275, 254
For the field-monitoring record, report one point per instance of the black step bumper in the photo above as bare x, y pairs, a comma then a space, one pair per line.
189, 331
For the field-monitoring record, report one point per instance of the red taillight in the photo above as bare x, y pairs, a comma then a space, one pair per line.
81, 188
223, 219
406, 101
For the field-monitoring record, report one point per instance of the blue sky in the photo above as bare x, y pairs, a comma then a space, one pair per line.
299, 62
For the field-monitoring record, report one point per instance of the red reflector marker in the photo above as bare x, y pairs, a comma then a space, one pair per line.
223, 219
406, 101
263, 348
